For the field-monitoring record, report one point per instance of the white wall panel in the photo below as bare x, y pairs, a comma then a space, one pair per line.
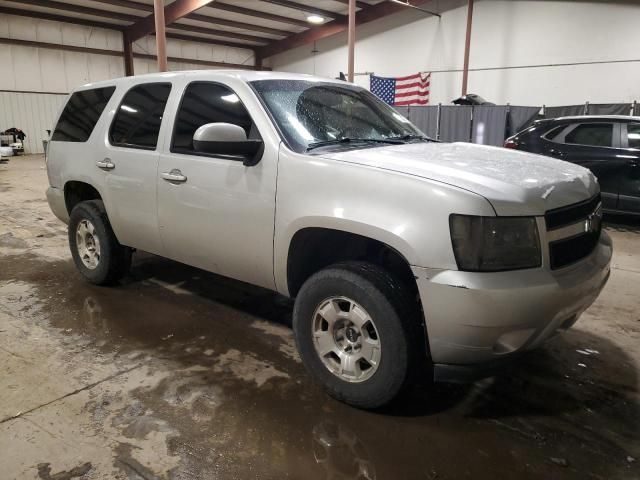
26, 68
45, 70
34, 113
52, 71
506, 35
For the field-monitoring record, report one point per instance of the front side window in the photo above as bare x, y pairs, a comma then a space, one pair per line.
80, 115
138, 119
593, 134
204, 103
633, 135
311, 113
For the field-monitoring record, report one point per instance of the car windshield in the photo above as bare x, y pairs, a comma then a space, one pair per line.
315, 115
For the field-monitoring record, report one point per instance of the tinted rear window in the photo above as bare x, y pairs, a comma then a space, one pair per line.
593, 134
137, 122
554, 132
81, 114
633, 135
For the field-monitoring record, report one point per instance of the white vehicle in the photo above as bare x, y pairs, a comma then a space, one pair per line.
406, 256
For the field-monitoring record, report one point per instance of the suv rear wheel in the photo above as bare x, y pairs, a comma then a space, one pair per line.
359, 333
96, 252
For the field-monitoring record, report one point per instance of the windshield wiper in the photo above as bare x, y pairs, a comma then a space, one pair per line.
338, 141
407, 138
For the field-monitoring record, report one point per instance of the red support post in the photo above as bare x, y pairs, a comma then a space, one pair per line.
467, 47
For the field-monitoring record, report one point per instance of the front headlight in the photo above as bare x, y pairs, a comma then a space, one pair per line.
492, 244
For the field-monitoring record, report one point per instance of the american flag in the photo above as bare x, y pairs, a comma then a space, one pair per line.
400, 91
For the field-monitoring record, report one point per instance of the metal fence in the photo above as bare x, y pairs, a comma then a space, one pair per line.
492, 124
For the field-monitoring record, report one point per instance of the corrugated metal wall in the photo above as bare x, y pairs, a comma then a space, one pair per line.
33, 113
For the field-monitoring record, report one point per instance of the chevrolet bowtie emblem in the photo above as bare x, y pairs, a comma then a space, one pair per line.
593, 221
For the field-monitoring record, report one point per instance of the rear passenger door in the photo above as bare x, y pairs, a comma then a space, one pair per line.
630, 183
130, 165
219, 215
595, 146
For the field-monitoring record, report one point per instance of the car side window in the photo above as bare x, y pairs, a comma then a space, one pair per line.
591, 134
554, 132
633, 135
139, 116
205, 102
80, 114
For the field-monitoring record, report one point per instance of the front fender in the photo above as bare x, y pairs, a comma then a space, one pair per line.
409, 214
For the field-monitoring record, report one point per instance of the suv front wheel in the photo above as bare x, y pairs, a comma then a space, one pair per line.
98, 255
359, 333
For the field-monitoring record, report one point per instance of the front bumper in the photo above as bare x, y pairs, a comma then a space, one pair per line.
55, 197
482, 319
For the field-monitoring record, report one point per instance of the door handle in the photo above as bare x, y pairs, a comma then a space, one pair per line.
174, 176
105, 164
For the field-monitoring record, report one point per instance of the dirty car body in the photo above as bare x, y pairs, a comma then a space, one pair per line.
502, 248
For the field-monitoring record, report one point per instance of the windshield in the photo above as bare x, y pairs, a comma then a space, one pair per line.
313, 114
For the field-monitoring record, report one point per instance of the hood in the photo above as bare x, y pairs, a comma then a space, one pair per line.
514, 182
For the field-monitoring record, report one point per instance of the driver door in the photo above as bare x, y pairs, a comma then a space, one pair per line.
214, 212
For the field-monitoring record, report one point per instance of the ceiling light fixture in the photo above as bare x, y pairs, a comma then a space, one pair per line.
315, 19
407, 4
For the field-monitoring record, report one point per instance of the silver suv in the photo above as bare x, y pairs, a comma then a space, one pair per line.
407, 257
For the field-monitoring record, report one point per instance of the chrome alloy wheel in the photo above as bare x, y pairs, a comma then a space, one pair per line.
88, 244
346, 339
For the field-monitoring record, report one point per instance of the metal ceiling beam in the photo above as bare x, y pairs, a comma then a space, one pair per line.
258, 14
117, 53
144, 7
178, 10
61, 18
232, 23
218, 33
68, 7
305, 8
113, 26
172, 12
358, 4
369, 14
211, 41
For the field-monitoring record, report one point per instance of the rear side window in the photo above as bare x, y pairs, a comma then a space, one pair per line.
80, 115
137, 121
208, 103
633, 135
554, 132
594, 134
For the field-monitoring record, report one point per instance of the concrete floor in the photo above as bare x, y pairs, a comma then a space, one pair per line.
180, 374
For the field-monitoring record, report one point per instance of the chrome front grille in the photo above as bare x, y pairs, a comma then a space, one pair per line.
573, 231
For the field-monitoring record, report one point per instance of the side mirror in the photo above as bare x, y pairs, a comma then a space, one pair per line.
227, 139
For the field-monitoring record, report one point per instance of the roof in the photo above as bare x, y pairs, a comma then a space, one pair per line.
590, 118
245, 75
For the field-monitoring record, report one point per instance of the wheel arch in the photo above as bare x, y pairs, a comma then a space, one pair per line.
76, 191
317, 244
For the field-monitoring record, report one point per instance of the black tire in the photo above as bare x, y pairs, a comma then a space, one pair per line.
115, 259
397, 319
